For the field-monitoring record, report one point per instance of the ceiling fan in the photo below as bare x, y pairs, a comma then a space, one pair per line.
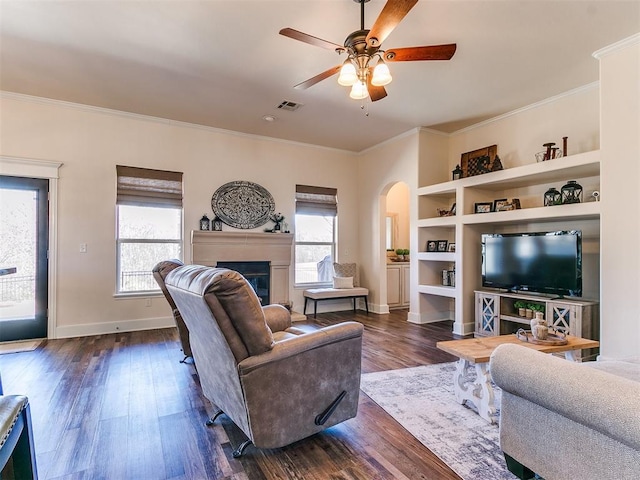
365, 70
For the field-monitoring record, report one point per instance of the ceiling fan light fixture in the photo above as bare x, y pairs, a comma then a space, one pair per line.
359, 91
348, 76
381, 75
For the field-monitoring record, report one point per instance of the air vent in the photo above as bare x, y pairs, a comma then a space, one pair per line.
290, 106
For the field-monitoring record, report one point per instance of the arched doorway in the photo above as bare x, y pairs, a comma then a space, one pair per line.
396, 237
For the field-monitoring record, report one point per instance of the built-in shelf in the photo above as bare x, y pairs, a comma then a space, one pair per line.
581, 165
527, 182
438, 222
576, 211
437, 256
438, 290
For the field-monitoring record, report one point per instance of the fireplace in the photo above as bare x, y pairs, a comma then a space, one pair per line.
257, 274
274, 249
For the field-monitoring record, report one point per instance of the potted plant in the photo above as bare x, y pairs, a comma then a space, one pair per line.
521, 305
537, 309
402, 253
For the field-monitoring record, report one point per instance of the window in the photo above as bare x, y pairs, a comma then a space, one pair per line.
149, 225
315, 237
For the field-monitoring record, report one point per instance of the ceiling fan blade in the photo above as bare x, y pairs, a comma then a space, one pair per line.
310, 39
376, 93
390, 16
412, 54
318, 78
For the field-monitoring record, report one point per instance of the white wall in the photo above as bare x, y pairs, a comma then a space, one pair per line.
521, 134
91, 142
620, 280
378, 170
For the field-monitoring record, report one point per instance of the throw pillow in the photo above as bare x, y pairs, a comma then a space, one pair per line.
342, 282
347, 270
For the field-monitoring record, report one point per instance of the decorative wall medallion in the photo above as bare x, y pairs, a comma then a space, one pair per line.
242, 204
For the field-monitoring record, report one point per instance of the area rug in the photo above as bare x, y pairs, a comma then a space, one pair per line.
17, 347
421, 399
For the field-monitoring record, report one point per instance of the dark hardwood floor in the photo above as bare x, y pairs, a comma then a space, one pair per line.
121, 406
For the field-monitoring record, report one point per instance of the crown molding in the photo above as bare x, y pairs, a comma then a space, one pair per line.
163, 121
408, 133
575, 91
614, 47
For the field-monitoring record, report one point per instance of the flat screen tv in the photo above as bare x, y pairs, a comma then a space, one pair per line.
543, 262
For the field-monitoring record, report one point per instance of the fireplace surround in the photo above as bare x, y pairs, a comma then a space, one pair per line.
209, 248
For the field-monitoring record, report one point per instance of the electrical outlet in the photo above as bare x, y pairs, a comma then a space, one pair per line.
83, 248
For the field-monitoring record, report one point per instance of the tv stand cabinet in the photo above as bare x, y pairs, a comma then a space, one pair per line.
496, 314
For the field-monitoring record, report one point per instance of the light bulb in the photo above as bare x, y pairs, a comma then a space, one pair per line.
348, 75
359, 91
381, 75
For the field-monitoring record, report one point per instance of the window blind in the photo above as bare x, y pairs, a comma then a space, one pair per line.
316, 200
148, 187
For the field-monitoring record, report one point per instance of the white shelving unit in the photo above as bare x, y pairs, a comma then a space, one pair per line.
528, 183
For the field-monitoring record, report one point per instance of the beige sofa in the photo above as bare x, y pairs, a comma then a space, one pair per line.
565, 420
278, 383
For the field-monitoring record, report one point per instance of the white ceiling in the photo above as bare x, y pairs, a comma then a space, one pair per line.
223, 63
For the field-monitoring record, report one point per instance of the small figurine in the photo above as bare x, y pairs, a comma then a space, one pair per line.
497, 164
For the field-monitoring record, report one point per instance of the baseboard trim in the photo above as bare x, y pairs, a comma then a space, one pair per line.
463, 328
430, 318
88, 329
380, 309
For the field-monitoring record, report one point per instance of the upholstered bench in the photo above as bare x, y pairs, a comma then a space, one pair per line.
317, 294
16, 436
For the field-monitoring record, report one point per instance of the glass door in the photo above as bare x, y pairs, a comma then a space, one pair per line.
24, 233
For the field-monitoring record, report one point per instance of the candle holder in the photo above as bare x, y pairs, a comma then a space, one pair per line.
552, 197
204, 222
571, 192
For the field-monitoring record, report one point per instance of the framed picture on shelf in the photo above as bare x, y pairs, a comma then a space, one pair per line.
498, 205
506, 207
432, 246
442, 245
478, 161
451, 247
483, 207
516, 203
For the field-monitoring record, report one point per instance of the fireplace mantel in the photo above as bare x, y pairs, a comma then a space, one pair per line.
209, 248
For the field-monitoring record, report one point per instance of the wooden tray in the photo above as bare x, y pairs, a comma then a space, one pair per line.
552, 339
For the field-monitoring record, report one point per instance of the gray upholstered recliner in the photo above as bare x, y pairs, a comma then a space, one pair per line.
278, 383
160, 272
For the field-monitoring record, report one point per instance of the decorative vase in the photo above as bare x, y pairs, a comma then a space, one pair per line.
540, 331
539, 316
